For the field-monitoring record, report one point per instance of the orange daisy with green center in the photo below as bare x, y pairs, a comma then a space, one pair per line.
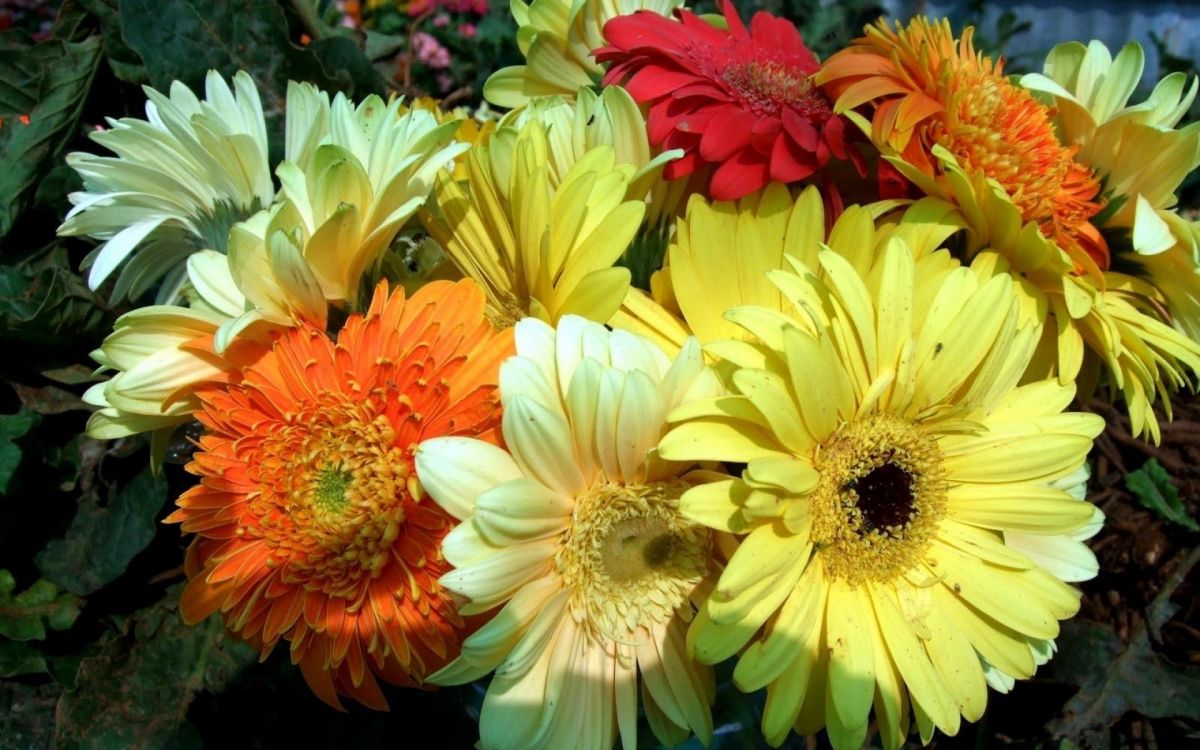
926, 90
311, 526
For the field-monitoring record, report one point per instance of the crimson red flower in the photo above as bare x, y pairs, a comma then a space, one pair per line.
741, 101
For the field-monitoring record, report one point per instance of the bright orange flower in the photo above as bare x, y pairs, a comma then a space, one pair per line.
311, 525
928, 90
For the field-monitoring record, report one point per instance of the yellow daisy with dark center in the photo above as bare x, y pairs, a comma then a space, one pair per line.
901, 501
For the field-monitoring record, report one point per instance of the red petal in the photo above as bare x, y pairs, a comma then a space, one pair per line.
683, 166
644, 29
739, 176
834, 134
653, 81
763, 134
728, 133
801, 129
736, 27
661, 121
790, 163
778, 33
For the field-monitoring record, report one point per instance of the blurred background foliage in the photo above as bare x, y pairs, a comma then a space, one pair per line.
92, 652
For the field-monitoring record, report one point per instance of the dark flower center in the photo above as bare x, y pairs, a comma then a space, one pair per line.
885, 497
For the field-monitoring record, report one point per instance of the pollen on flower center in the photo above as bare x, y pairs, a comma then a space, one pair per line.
879, 500
333, 489
630, 558
767, 85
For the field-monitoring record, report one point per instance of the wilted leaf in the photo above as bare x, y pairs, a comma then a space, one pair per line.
71, 375
27, 714
48, 83
25, 616
48, 400
1113, 680
103, 540
12, 426
1153, 488
46, 302
136, 691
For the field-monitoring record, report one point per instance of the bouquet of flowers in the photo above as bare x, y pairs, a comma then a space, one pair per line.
705, 351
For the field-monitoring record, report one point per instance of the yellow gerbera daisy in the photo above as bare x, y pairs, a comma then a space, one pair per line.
1142, 159
948, 119
722, 251
541, 244
611, 118
575, 529
890, 452
557, 38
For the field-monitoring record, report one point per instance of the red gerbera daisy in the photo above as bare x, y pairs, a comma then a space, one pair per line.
311, 526
741, 101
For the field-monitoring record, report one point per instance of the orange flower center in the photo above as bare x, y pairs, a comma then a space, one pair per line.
766, 86
994, 127
333, 490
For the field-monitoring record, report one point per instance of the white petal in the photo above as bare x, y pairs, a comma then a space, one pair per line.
456, 470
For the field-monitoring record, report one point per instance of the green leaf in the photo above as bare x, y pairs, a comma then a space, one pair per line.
380, 46
47, 303
13, 426
25, 616
103, 540
18, 658
48, 83
183, 39
136, 691
1153, 488
124, 62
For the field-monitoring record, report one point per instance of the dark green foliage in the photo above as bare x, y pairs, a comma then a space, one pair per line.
1153, 488
45, 84
136, 689
1116, 678
103, 540
12, 426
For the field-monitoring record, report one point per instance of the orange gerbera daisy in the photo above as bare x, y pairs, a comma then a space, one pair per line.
311, 525
928, 90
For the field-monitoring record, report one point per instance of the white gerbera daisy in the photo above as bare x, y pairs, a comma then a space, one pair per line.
179, 180
575, 531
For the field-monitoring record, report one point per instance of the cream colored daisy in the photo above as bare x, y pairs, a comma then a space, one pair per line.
179, 179
573, 541
897, 503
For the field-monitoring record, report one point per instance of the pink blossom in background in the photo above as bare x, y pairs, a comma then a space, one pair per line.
441, 20
467, 30
430, 51
420, 7
445, 82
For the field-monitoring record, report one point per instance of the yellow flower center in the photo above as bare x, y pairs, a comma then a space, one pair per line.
630, 558
333, 488
879, 500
